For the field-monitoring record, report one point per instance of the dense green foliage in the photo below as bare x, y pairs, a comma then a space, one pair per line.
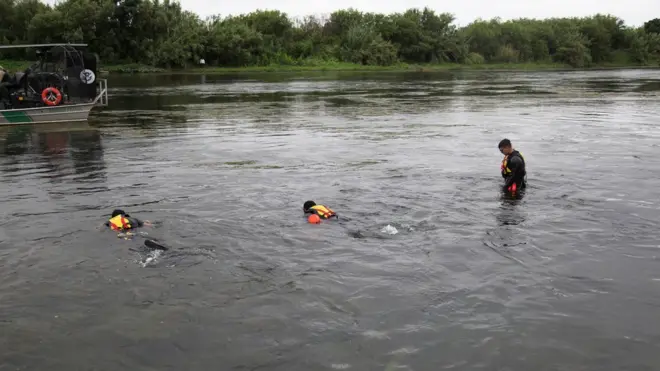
161, 34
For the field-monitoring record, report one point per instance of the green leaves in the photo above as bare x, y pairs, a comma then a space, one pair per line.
160, 34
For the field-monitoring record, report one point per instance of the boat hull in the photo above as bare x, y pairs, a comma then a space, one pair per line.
45, 115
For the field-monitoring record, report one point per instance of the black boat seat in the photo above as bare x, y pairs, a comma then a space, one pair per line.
19, 80
19, 77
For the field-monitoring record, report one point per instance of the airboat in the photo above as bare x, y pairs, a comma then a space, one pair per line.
62, 86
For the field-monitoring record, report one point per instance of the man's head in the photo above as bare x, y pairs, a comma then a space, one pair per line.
505, 147
307, 205
119, 212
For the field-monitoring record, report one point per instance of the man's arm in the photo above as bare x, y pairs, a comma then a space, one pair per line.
135, 222
515, 164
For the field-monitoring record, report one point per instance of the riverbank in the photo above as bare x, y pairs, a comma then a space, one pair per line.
402, 67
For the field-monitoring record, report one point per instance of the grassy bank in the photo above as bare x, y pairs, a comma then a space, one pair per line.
402, 67
14, 66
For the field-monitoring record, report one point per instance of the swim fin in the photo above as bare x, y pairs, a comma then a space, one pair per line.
155, 245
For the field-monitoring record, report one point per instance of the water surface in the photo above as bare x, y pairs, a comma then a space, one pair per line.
564, 279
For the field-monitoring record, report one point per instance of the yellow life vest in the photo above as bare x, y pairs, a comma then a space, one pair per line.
505, 162
322, 211
119, 223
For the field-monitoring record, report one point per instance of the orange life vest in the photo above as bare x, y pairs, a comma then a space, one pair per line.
505, 162
119, 223
323, 212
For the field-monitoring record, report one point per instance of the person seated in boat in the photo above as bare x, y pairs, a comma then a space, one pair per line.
4, 74
4, 87
120, 221
323, 212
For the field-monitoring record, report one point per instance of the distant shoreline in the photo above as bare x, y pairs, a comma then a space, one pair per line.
346, 67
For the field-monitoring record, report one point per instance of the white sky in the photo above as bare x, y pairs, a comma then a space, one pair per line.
633, 12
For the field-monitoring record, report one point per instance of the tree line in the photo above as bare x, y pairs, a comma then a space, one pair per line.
161, 34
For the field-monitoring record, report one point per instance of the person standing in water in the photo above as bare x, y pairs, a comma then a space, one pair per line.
513, 167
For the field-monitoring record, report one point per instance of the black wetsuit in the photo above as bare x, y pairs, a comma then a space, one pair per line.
135, 222
516, 164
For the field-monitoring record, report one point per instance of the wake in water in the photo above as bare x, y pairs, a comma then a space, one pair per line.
147, 254
154, 249
390, 229
151, 257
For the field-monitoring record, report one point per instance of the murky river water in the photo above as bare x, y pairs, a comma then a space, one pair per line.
568, 278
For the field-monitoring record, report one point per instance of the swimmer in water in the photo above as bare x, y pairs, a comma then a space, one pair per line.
120, 221
124, 223
324, 212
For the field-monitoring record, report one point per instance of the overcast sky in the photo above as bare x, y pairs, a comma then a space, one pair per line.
633, 12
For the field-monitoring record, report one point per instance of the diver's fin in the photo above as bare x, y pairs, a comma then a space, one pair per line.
155, 245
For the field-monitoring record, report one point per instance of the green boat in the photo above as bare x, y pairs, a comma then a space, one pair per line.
62, 86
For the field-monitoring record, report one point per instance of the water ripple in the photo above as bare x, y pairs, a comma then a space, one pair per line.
565, 278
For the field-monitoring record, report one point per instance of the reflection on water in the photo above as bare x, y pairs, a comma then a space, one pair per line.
562, 278
75, 146
508, 212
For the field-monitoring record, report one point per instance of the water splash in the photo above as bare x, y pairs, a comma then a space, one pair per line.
151, 257
389, 229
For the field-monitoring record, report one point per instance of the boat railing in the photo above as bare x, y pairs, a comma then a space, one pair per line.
102, 98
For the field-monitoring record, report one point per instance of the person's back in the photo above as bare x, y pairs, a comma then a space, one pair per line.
324, 212
120, 221
513, 167
123, 223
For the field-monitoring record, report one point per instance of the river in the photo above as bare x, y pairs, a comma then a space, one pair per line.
566, 278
